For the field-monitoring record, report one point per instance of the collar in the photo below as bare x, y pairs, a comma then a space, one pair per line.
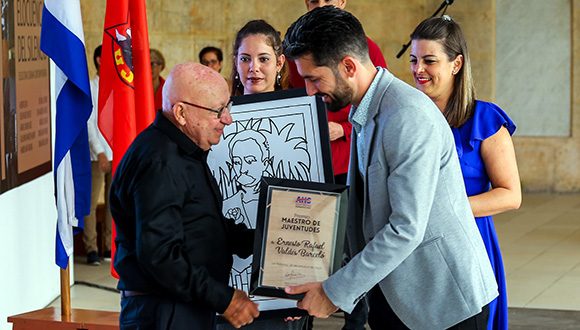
182, 141
359, 115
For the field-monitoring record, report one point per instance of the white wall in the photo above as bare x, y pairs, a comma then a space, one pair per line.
29, 277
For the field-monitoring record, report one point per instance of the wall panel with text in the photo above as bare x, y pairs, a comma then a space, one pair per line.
25, 115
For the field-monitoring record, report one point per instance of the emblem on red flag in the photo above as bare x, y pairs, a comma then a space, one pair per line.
120, 36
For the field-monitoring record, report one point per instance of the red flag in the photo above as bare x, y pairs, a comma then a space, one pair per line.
125, 86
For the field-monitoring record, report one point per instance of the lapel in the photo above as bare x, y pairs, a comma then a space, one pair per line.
355, 219
372, 121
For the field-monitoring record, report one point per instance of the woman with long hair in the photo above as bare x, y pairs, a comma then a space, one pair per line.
441, 69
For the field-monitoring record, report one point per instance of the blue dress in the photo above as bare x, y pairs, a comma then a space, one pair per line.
487, 119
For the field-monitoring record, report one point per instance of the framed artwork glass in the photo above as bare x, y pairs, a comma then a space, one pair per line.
282, 134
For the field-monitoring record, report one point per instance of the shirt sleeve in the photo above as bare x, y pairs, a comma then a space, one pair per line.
347, 128
94, 143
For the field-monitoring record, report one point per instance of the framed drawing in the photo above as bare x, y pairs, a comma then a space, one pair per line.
300, 234
281, 134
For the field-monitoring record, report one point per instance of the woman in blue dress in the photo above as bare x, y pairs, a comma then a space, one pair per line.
441, 69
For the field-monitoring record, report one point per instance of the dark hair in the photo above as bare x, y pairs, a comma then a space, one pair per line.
445, 31
273, 39
97, 54
328, 34
159, 55
211, 49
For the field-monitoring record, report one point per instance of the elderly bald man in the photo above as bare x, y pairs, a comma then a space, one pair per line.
174, 247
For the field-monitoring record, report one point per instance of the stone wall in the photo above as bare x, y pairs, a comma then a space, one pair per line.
553, 164
180, 28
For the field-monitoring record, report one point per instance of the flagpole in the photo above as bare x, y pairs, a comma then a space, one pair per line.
65, 293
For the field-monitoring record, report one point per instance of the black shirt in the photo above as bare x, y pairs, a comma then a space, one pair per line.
172, 239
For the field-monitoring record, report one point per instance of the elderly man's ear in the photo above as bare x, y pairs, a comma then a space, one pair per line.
179, 114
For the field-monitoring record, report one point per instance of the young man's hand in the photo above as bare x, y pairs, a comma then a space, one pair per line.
315, 300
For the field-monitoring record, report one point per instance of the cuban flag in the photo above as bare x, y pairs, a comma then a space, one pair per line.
62, 39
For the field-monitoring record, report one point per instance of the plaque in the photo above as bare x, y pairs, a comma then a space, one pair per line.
300, 234
32, 93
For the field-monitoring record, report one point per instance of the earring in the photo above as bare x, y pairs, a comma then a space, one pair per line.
278, 79
238, 82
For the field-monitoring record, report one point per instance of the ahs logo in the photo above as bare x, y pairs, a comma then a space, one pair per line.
122, 55
303, 202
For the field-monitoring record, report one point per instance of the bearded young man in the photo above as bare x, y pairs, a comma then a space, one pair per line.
414, 246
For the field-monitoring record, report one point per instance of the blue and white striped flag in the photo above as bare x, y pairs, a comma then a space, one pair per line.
62, 39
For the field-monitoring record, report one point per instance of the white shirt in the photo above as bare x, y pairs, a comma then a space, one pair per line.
97, 142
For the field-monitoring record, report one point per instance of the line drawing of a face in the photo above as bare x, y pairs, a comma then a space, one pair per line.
250, 156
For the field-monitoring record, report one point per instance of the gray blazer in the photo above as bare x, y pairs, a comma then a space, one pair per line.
410, 226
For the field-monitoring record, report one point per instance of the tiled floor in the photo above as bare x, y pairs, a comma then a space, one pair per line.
541, 249
94, 287
540, 244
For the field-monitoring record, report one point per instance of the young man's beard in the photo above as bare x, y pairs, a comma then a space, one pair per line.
341, 96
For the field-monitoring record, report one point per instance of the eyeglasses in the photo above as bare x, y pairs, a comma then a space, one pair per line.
209, 62
219, 112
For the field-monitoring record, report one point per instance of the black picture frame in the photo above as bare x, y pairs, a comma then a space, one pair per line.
262, 240
294, 126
